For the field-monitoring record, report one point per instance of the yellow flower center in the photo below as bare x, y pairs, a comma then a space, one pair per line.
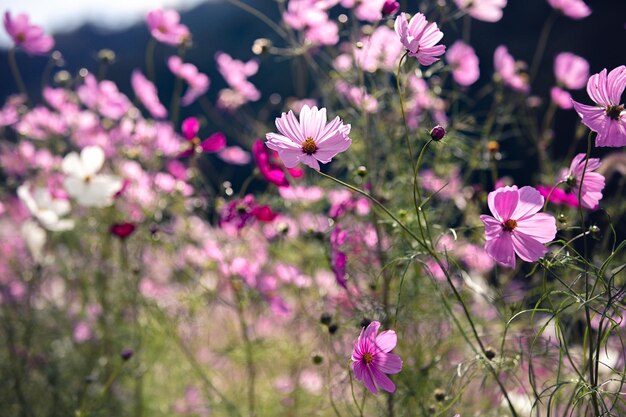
309, 146
368, 358
509, 225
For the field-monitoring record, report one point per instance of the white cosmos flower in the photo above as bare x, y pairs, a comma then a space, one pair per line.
46, 209
84, 183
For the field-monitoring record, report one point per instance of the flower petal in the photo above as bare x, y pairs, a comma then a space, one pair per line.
526, 247
501, 249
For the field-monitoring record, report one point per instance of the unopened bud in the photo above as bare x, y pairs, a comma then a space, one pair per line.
390, 7
107, 56
127, 354
361, 171
490, 353
437, 133
261, 46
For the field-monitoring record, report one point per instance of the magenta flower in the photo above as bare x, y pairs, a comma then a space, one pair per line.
608, 118
310, 140
517, 227
214, 143
371, 358
30, 38
485, 10
165, 27
576, 9
146, 92
509, 70
464, 63
197, 82
571, 71
420, 37
593, 182
558, 196
272, 170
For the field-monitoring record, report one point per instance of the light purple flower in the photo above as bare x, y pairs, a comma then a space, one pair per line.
572, 71
464, 63
562, 98
576, 9
30, 38
165, 27
310, 140
485, 10
146, 92
236, 74
371, 358
382, 49
593, 182
608, 118
508, 70
103, 97
420, 38
197, 82
517, 227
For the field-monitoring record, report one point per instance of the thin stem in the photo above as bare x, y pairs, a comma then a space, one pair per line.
150, 60
250, 368
541, 45
16, 73
592, 361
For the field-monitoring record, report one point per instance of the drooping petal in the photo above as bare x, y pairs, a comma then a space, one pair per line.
526, 247
382, 380
366, 376
214, 143
501, 249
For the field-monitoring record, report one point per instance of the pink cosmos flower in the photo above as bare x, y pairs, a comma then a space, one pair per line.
608, 118
593, 182
371, 358
214, 143
576, 9
236, 74
146, 92
419, 37
464, 63
382, 49
270, 167
517, 227
103, 97
234, 155
485, 10
165, 27
572, 71
508, 70
30, 38
198, 83
310, 140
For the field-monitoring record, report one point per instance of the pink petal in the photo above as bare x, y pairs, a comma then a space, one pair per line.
493, 227
214, 143
540, 226
389, 363
501, 249
530, 202
504, 203
527, 247
382, 380
363, 373
387, 340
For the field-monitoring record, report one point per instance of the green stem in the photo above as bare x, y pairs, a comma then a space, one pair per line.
16, 73
150, 60
250, 368
541, 45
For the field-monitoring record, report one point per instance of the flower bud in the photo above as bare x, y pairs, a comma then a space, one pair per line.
261, 46
106, 56
437, 133
390, 7
126, 354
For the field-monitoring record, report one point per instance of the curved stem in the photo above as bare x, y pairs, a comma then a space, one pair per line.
541, 45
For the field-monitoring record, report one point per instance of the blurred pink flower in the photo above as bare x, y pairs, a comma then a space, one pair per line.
103, 97
608, 118
420, 38
485, 10
270, 166
517, 226
9, 113
197, 82
214, 143
30, 38
357, 96
464, 63
371, 358
146, 92
576, 9
382, 49
593, 182
41, 124
390, 7
558, 196
236, 74
310, 140
326, 33
562, 98
508, 70
572, 71
234, 155
165, 27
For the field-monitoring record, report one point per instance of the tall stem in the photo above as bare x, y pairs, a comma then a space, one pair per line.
250, 368
16, 73
541, 45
